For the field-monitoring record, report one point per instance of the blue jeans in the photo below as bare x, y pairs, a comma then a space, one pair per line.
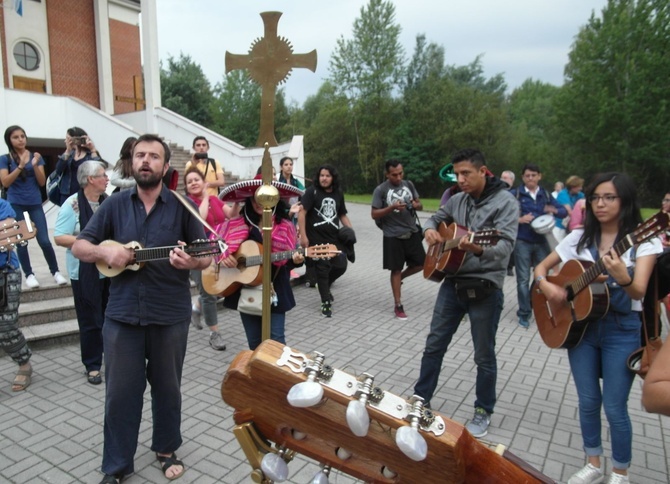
447, 315
526, 255
207, 301
603, 353
253, 328
36, 213
133, 356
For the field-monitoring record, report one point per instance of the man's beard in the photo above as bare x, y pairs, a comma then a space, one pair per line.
151, 181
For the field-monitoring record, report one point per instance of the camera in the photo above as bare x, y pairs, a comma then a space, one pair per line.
80, 140
200, 156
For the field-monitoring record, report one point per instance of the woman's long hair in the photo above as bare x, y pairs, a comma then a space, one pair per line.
125, 163
12, 152
629, 208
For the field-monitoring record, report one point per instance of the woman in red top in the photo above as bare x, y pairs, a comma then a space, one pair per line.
215, 212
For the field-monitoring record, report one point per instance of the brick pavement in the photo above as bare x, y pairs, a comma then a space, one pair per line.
53, 432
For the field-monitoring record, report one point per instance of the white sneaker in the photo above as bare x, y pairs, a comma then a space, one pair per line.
60, 280
589, 474
618, 479
31, 282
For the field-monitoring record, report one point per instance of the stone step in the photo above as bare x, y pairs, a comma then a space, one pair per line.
35, 313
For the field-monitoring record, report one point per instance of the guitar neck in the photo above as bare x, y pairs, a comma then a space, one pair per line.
256, 260
153, 253
592, 273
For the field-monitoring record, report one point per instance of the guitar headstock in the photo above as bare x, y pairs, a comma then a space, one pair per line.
204, 248
322, 251
651, 227
303, 405
14, 233
486, 238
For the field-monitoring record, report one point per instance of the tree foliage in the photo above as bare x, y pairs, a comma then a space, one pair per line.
613, 110
186, 90
366, 69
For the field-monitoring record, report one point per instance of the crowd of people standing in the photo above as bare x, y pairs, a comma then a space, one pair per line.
118, 327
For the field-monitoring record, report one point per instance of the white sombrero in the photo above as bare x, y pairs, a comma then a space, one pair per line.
240, 191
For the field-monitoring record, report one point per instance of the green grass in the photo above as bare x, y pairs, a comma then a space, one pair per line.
429, 204
432, 204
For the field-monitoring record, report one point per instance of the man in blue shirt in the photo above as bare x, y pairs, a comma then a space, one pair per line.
530, 247
149, 310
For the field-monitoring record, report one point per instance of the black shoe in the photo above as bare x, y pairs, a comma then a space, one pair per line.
326, 309
510, 272
112, 479
94, 377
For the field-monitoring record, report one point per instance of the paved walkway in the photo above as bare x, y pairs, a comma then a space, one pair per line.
53, 432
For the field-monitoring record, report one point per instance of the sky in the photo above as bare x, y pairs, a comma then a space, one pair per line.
519, 38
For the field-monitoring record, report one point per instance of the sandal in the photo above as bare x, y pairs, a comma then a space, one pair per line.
166, 462
20, 384
94, 377
112, 479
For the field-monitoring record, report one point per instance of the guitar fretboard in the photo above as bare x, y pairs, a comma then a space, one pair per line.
598, 268
160, 253
256, 260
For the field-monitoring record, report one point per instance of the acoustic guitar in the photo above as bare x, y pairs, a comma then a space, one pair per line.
562, 325
224, 281
15, 233
445, 258
198, 248
259, 386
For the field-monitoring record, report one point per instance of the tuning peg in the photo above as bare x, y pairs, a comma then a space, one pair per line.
275, 467
357, 414
308, 393
408, 438
321, 477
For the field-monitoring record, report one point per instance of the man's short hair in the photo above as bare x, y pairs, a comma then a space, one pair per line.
530, 167
154, 138
391, 164
200, 138
472, 155
509, 173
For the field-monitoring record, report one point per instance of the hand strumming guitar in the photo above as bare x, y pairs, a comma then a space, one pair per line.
230, 261
432, 236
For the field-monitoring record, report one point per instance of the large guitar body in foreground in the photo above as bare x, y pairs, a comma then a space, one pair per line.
257, 384
223, 281
445, 258
562, 325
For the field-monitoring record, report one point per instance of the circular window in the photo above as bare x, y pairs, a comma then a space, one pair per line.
26, 56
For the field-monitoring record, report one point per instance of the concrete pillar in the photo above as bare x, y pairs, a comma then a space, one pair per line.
151, 65
104, 51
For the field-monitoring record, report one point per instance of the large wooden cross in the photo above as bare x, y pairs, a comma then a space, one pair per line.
269, 62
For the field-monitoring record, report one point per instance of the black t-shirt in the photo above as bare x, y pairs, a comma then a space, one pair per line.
324, 209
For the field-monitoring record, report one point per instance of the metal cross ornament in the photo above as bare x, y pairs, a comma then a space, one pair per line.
270, 61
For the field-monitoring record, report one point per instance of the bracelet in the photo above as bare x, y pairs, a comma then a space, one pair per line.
539, 279
626, 285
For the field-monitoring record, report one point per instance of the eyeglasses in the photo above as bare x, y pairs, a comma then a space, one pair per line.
607, 199
100, 176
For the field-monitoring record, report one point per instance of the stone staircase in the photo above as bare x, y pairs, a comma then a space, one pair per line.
180, 156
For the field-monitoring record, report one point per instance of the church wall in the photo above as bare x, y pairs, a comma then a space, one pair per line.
74, 69
126, 62
30, 28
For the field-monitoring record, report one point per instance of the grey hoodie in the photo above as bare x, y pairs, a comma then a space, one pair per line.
495, 209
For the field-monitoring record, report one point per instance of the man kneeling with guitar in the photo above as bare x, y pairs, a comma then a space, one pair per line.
482, 203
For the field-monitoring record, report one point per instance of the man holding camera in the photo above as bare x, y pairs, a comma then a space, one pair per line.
210, 168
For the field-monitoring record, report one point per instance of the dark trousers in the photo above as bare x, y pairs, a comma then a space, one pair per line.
133, 356
90, 309
327, 272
